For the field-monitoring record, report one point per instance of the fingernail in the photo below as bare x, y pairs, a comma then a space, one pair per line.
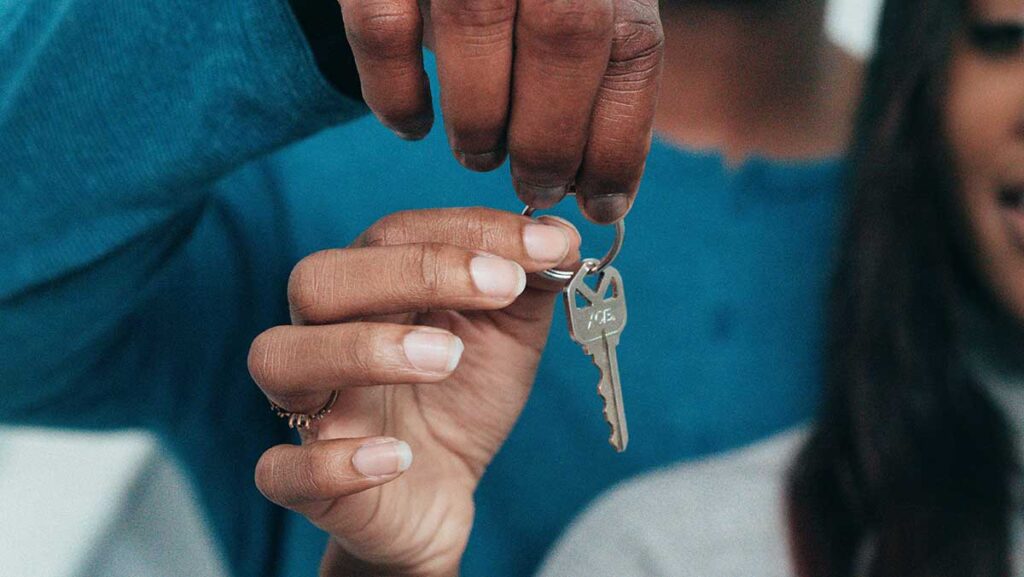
382, 458
435, 352
482, 162
410, 136
540, 196
416, 129
607, 208
545, 243
497, 277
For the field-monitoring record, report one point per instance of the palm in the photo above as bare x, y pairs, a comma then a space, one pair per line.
455, 428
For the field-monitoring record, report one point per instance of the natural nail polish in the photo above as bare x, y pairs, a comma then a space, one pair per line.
497, 277
545, 243
433, 351
382, 458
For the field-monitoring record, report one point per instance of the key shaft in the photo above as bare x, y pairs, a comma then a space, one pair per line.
603, 354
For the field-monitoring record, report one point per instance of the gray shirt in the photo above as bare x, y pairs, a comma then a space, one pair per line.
723, 516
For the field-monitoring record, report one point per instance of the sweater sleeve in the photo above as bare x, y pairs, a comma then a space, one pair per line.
115, 119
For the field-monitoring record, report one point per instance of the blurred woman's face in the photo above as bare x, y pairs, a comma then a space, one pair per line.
985, 119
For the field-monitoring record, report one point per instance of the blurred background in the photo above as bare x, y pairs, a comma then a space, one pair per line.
98, 505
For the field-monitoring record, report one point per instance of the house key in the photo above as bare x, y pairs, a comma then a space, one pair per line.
596, 326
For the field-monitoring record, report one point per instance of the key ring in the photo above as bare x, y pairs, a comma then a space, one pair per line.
595, 265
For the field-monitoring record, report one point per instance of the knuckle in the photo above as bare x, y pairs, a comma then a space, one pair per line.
478, 228
477, 17
426, 267
362, 350
383, 29
387, 231
489, 236
317, 472
637, 48
569, 21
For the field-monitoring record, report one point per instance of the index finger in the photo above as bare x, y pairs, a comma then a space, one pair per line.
534, 244
386, 41
473, 44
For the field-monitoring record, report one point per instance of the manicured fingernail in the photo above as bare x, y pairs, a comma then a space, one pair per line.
435, 352
607, 208
545, 243
497, 277
481, 162
382, 458
540, 196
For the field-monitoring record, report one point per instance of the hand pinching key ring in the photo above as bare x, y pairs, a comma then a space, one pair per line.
565, 276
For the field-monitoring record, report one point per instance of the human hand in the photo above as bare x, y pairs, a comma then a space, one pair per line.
427, 342
572, 102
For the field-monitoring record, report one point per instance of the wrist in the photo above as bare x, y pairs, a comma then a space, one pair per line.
324, 29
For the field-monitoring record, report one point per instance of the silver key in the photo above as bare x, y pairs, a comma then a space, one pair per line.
596, 326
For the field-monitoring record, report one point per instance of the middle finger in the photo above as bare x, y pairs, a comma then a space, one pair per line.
562, 51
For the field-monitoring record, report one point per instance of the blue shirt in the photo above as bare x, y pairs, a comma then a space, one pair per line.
725, 272
149, 218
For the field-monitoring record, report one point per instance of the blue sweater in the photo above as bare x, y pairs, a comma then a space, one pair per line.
164, 165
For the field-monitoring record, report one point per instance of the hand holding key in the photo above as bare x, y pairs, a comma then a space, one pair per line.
429, 332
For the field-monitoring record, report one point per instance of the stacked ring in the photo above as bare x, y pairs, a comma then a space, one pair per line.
304, 420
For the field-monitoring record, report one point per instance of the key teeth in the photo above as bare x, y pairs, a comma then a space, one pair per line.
607, 419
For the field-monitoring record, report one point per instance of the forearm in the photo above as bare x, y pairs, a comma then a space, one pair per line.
106, 100
114, 119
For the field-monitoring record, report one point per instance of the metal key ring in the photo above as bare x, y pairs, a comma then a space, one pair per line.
565, 276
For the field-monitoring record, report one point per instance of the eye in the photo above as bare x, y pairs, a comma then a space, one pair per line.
998, 39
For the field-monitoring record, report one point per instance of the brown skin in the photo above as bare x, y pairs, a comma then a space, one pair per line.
985, 120
755, 78
353, 307
581, 106
348, 335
